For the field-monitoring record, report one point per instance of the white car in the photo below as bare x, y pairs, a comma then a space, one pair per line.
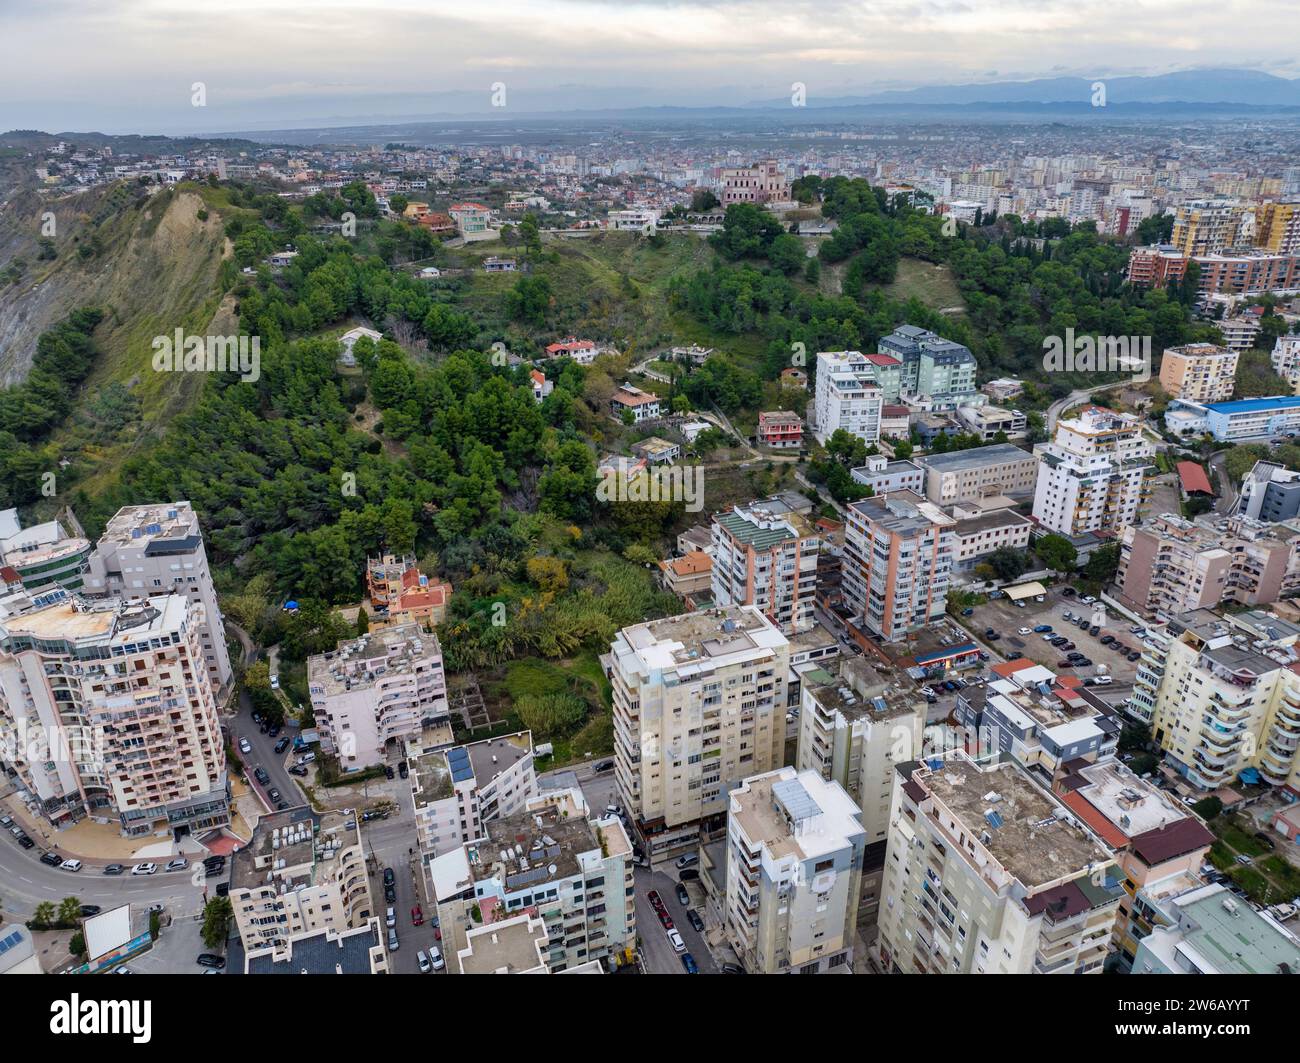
275, 682
435, 957
1047, 636
244, 746
1087, 599
1024, 631
423, 960
144, 869
176, 865
675, 940
71, 865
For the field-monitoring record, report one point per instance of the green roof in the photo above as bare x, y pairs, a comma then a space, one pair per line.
753, 535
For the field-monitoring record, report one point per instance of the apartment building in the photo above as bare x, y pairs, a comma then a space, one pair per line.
688, 575
455, 791
1285, 358
301, 873
898, 555
1239, 332
1157, 842
937, 370
1171, 565
1270, 492
356, 951
847, 396
1222, 694
156, 549
569, 869
987, 873
1156, 266
473, 220
980, 534
769, 559
1200, 372
794, 872
885, 477
43, 555
376, 689
107, 711
1214, 932
1096, 475
1277, 227
981, 472
400, 593
1205, 226
987, 423
855, 728
699, 704
780, 429
762, 182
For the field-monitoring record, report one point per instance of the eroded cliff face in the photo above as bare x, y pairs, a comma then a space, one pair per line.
154, 268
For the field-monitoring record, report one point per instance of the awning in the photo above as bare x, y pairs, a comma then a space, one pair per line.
1024, 590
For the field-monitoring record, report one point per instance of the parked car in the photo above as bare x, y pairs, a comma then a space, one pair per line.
656, 901
683, 898
245, 746
144, 869
388, 771
1088, 599
417, 916
393, 944
6, 822
1023, 631
53, 859
1083, 662
274, 730
402, 769
1242, 859
1265, 839
1102, 680
298, 769
176, 865
211, 959
688, 874
423, 961
665, 920
731, 968
273, 794
114, 869
604, 765
390, 918
25, 841
282, 745
1106, 640
687, 860
435, 957
693, 917
87, 910
676, 940
260, 774
389, 876
991, 635
688, 962
1069, 592
1067, 645
71, 865
1043, 627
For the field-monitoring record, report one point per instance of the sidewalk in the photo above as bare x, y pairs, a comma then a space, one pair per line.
86, 840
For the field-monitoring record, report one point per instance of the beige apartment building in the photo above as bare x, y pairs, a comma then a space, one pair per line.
1171, 565
1222, 694
1199, 372
987, 873
302, 872
794, 872
376, 689
158, 549
981, 472
699, 705
767, 559
455, 791
1207, 226
107, 711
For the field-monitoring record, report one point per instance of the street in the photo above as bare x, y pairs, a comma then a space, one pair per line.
655, 948
389, 841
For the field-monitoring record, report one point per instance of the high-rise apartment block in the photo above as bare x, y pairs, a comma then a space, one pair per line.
157, 549
794, 872
457, 790
381, 687
1205, 226
1096, 475
699, 705
107, 711
987, 873
898, 555
767, 558
1199, 372
939, 371
1222, 694
301, 873
847, 396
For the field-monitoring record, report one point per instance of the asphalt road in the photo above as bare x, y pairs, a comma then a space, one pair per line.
263, 754
389, 841
657, 952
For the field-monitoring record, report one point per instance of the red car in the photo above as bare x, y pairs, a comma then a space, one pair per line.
656, 902
417, 916
666, 920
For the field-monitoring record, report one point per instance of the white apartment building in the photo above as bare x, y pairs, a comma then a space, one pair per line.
575, 870
987, 873
301, 873
1286, 360
107, 711
847, 396
699, 704
898, 555
455, 791
158, 549
1222, 694
1096, 475
794, 871
769, 559
377, 688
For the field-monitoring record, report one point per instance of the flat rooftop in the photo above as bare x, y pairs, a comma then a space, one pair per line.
1131, 803
543, 845
902, 512
108, 621
862, 693
508, 947
796, 814
1235, 938
284, 843
170, 520
976, 458
359, 663
1023, 828
435, 774
718, 635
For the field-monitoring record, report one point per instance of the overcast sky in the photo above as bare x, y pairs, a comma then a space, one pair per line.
128, 65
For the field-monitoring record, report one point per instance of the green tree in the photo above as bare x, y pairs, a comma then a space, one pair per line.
1103, 563
69, 911
45, 914
1057, 553
217, 914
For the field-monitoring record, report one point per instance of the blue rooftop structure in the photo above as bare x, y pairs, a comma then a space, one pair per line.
1276, 402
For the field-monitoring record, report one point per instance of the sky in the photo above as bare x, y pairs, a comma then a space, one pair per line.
124, 66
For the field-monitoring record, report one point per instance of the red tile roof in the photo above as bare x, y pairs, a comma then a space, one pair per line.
880, 358
1193, 478
1177, 839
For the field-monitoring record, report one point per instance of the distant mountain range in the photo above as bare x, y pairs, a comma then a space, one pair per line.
1251, 88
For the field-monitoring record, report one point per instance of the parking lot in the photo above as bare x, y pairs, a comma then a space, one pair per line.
1007, 619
